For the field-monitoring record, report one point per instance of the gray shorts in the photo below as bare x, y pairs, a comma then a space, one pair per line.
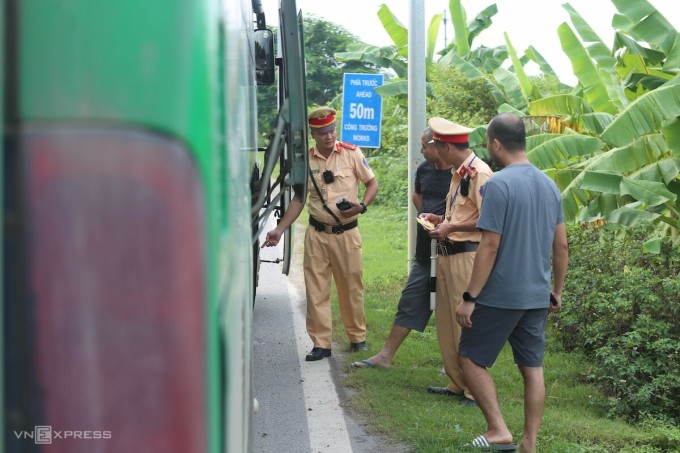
414, 311
492, 327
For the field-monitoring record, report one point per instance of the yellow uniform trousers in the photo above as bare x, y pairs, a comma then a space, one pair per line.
453, 275
338, 255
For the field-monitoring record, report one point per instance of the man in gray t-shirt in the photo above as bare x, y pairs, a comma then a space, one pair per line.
509, 294
522, 204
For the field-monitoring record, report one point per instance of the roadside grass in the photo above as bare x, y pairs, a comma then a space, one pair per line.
397, 404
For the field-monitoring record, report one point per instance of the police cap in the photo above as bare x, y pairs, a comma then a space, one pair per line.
322, 119
448, 132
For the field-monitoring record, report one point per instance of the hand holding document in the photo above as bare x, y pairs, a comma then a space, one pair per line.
425, 223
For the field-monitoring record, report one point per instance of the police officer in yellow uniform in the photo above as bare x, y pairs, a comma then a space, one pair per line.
332, 239
458, 239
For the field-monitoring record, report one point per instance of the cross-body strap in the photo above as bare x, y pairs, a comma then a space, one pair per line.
323, 202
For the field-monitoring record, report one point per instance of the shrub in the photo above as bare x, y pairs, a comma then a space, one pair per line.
622, 308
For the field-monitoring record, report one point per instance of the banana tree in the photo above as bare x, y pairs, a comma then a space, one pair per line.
397, 55
617, 156
625, 174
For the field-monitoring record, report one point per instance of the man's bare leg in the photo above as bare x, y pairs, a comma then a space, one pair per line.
384, 358
483, 388
534, 401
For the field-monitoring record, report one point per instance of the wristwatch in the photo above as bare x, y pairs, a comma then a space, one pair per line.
467, 297
364, 207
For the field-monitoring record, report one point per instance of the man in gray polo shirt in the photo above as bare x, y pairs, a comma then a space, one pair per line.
509, 293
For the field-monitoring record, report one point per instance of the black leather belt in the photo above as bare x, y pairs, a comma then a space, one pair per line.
332, 229
447, 247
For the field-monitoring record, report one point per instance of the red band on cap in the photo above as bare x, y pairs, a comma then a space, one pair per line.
451, 138
321, 122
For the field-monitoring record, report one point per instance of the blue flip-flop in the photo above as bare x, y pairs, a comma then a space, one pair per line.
365, 362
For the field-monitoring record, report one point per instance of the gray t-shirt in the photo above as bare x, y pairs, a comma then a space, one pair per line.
524, 206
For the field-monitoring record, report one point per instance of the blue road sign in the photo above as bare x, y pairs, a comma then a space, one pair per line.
361, 110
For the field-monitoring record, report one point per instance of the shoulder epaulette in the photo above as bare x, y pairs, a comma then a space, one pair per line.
347, 146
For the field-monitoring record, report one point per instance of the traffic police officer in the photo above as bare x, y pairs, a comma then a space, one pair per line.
332, 240
458, 239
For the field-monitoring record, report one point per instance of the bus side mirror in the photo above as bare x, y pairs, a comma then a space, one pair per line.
264, 57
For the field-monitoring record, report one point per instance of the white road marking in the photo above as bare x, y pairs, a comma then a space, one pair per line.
325, 417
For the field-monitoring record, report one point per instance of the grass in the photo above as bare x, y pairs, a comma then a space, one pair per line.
396, 401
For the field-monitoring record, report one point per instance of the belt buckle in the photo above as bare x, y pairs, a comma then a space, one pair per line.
328, 229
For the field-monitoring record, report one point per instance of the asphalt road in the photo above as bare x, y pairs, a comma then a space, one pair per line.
302, 405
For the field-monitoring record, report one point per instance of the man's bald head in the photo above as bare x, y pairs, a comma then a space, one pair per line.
508, 129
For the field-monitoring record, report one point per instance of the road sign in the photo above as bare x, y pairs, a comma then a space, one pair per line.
361, 110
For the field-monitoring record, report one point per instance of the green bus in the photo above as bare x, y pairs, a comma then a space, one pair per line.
132, 200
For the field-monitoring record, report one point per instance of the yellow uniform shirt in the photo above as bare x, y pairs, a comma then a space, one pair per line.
460, 208
349, 166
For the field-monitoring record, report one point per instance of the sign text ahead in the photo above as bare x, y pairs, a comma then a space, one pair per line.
361, 110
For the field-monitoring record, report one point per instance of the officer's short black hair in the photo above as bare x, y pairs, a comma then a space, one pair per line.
508, 129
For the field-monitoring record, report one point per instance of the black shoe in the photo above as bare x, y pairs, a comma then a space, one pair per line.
356, 347
318, 354
441, 391
467, 402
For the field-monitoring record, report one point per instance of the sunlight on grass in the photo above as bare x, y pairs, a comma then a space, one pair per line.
396, 401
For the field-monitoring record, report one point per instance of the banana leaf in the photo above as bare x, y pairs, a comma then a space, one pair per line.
652, 246
665, 170
560, 104
538, 139
674, 81
393, 88
650, 56
395, 29
511, 86
573, 197
630, 217
672, 133
563, 149
460, 28
673, 57
604, 202
537, 58
652, 193
589, 76
481, 22
595, 122
383, 57
507, 108
432, 32
646, 114
597, 49
643, 22
478, 136
603, 182
642, 83
522, 78
638, 160
487, 59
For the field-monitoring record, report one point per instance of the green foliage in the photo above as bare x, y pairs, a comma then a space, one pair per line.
621, 310
324, 73
392, 176
460, 99
390, 162
395, 400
